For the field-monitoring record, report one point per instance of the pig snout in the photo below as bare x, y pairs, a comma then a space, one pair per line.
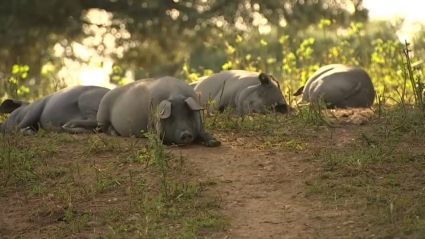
282, 108
186, 137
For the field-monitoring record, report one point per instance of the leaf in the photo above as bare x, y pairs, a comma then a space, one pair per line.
13, 80
15, 69
227, 65
208, 72
23, 90
271, 61
238, 39
193, 76
230, 50
48, 68
283, 39
117, 69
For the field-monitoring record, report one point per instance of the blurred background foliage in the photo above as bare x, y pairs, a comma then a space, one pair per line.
190, 38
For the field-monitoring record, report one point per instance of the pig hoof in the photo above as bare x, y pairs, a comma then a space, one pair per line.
27, 131
113, 132
68, 128
213, 143
68, 125
65, 128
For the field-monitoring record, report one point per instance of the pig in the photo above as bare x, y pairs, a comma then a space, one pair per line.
71, 110
340, 86
245, 91
125, 111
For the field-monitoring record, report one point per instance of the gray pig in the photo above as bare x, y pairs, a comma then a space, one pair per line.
125, 111
71, 110
341, 86
245, 91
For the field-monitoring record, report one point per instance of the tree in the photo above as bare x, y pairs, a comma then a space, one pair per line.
148, 32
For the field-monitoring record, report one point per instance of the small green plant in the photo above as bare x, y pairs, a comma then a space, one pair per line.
15, 86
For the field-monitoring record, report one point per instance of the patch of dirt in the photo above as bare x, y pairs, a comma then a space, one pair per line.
264, 190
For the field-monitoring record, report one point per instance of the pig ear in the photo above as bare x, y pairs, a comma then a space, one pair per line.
264, 79
164, 109
193, 105
9, 105
299, 91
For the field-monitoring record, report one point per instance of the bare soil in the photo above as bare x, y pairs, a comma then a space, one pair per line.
264, 190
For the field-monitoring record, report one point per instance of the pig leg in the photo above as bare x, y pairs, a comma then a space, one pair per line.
80, 126
28, 131
207, 139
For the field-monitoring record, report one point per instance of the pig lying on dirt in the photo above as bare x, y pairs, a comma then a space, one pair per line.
341, 86
245, 91
71, 110
125, 111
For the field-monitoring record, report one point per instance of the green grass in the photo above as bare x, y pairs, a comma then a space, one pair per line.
379, 174
72, 187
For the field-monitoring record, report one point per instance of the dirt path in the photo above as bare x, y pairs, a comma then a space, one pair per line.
263, 191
